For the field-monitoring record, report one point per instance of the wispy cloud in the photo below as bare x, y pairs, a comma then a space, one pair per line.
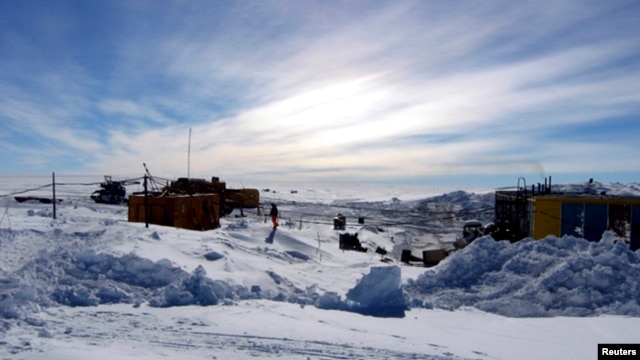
348, 90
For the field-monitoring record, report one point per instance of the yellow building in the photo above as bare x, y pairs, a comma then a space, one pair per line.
585, 215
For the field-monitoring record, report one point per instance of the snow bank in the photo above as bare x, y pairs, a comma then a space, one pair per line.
89, 278
378, 293
568, 277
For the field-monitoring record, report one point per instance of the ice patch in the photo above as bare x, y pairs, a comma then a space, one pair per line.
298, 255
213, 256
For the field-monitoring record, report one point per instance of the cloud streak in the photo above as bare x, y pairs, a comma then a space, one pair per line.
343, 91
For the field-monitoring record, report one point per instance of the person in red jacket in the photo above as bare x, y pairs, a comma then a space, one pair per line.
274, 215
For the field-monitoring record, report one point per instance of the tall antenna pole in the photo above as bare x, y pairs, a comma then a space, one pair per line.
53, 178
189, 157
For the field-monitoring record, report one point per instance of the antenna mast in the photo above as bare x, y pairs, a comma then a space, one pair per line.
189, 157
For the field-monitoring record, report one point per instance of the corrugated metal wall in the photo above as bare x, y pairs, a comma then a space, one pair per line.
586, 217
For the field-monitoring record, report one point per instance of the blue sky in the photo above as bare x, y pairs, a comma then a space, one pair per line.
422, 92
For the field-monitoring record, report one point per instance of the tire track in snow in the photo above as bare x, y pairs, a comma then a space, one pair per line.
265, 346
189, 337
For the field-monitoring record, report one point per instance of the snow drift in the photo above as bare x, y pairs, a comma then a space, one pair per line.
551, 277
568, 276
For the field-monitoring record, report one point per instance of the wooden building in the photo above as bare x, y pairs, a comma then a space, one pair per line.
195, 204
195, 212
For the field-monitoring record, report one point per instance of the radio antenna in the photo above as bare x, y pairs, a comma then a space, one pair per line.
189, 157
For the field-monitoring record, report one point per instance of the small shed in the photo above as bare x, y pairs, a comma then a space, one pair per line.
242, 198
586, 216
195, 212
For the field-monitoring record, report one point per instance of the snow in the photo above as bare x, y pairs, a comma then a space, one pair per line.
552, 277
90, 285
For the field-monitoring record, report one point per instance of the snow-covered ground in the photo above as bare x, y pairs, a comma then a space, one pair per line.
90, 285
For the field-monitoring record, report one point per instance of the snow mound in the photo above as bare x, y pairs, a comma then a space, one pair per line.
378, 293
552, 277
89, 278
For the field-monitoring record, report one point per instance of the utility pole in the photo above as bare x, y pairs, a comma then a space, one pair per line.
146, 203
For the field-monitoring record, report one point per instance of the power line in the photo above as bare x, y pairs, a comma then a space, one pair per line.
26, 191
64, 184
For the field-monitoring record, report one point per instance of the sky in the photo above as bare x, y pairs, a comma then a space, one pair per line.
420, 92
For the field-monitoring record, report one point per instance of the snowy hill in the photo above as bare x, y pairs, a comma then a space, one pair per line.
91, 285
